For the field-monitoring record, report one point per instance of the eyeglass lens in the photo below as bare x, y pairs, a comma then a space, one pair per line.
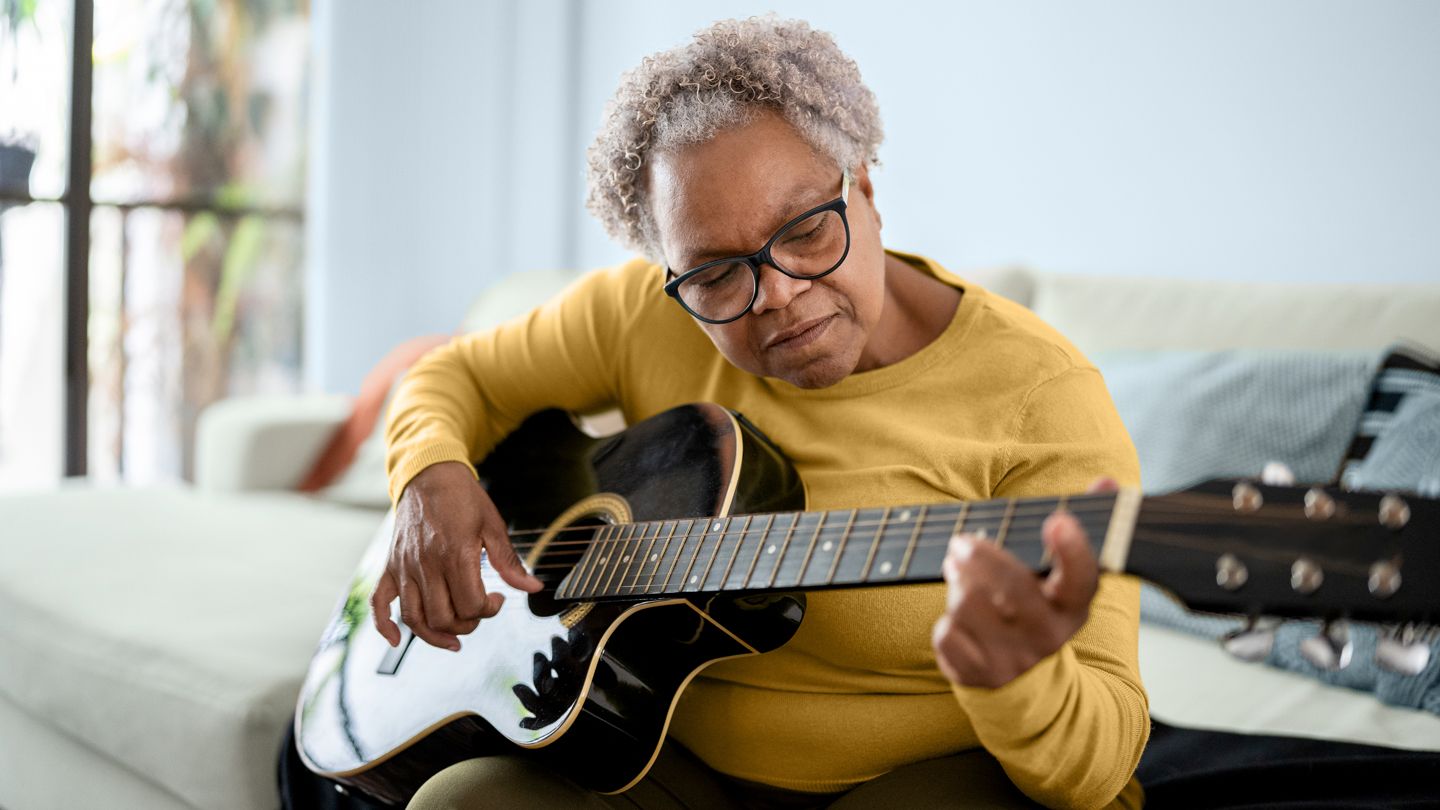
811, 247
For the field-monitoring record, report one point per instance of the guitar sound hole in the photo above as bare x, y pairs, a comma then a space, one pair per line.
556, 562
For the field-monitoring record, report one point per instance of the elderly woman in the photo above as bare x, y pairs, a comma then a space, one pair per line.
740, 166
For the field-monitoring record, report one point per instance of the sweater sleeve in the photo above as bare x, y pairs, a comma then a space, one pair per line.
1069, 731
461, 399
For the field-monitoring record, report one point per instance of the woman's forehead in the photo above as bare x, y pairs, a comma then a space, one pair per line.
715, 198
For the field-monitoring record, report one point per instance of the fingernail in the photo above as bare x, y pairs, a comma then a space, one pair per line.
961, 544
454, 647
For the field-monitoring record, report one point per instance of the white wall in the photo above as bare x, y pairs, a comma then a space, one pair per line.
1291, 140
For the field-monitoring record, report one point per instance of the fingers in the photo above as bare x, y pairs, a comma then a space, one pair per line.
996, 623
435, 596
385, 593
507, 564
502, 554
1102, 484
412, 612
1074, 573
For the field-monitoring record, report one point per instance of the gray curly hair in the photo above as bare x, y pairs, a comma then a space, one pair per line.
688, 94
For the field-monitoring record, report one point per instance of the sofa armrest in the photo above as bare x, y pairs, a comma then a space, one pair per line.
263, 442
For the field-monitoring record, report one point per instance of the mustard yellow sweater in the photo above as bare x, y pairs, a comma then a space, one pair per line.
1000, 405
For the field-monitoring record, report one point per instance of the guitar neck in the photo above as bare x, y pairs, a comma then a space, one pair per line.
785, 551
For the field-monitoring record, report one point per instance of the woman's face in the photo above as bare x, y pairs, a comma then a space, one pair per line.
727, 197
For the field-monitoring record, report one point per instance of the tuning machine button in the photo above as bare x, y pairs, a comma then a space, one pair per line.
1385, 578
1247, 497
1318, 504
1230, 573
1306, 576
1404, 651
1253, 642
1394, 512
1331, 649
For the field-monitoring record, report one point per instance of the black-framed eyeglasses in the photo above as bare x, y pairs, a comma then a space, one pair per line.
809, 246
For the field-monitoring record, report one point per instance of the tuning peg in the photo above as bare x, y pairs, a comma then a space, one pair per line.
1246, 497
1331, 648
1403, 650
1254, 641
1277, 474
1394, 512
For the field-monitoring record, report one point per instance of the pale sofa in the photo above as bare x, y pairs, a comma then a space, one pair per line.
153, 641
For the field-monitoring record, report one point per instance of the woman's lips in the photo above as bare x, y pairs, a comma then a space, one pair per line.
807, 335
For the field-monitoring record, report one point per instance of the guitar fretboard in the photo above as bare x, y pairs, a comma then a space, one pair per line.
812, 550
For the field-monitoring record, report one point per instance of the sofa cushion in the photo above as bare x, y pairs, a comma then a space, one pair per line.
170, 629
1196, 415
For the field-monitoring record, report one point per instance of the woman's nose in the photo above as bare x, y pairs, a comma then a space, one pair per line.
777, 290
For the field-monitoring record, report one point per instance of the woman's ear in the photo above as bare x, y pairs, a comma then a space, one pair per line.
861, 175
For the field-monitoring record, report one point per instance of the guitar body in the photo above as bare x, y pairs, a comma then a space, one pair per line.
586, 687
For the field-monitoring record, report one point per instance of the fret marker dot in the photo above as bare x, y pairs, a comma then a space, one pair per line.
885, 567
904, 516
982, 534
654, 557
717, 527
625, 559
604, 560
770, 550
694, 579
826, 546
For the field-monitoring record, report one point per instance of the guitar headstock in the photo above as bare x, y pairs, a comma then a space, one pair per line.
1239, 546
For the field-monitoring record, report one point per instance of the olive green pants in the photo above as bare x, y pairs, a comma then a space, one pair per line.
678, 780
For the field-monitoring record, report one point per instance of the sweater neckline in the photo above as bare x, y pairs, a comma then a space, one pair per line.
943, 346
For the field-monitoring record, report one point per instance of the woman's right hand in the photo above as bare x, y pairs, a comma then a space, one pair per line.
443, 522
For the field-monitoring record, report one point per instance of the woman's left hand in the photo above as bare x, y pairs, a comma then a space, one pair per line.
1000, 619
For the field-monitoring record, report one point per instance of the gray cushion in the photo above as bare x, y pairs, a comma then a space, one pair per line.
1198, 415
170, 629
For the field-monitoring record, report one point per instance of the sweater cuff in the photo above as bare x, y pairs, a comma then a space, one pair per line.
412, 463
1026, 706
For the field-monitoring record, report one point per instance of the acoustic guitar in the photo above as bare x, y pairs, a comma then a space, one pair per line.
684, 540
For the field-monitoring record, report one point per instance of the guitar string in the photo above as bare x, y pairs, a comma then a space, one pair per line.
1178, 541
1175, 512
973, 515
1022, 525
1023, 506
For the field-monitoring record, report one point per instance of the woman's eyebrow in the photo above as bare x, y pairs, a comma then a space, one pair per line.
797, 201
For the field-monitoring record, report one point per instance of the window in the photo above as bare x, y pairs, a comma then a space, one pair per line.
190, 151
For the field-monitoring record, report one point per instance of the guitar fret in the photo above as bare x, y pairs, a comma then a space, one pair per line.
768, 561
784, 546
934, 541
686, 579
618, 556
961, 518
679, 553
719, 534
650, 558
603, 556
822, 551
855, 557
910, 546
574, 581
810, 550
606, 553
718, 584
652, 582
844, 537
627, 582
791, 566
1005, 523
760, 546
1030, 549
874, 545
892, 546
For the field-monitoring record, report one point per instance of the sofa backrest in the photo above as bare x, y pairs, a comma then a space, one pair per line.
1101, 313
